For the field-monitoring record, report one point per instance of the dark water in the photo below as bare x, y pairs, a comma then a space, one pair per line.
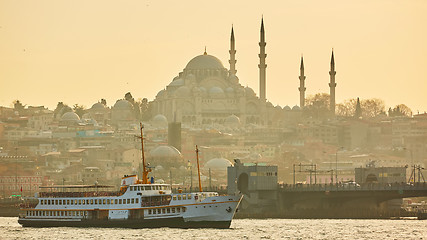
240, 229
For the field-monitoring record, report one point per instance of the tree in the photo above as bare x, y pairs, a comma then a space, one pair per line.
400, 110
58, 108
79, 109
372, 107
317, 106
17, 106
135, 104
347, 108
369, 107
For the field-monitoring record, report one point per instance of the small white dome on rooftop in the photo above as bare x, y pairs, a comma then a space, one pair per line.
218, 164
70, 117
123, 105
165, 151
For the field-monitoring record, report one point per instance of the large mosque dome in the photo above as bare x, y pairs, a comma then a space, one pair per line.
204, 62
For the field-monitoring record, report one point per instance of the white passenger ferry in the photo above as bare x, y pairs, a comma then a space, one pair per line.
138, 204
135, 206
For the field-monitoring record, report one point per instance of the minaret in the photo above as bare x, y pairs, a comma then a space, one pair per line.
332, 85
262, 66
301, 85
232, 52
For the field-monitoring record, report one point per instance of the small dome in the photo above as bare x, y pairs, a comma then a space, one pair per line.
160, 120
161, 93
123, 105
177, 82
233, 79
250, 92
70, 117
98, 106
232, 120
269, 104
296, 108
216, 92
229, 90
164, 151
183, 92
278, 107
218, 164
287, 108
204, 62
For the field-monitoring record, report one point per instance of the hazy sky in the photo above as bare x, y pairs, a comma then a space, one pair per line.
81, 51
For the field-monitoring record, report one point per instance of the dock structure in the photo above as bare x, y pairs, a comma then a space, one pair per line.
338, 200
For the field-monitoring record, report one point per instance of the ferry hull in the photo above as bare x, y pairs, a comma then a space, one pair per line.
136, 223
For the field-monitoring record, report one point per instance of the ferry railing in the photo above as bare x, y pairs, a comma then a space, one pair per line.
352, 187
78, 194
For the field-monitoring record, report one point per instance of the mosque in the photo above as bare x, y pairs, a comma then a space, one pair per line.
207, 93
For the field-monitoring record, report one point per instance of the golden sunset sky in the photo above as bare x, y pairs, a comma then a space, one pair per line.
79, 51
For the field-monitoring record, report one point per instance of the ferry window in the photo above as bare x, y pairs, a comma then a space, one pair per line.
163, 210
115, 201
174, 197
159, 211
184, 197
104, 201
56, 202
178, 210
149, 211
80, 202
68, 202
173, 210
72, 202
168, 210
43, 213
128, 202
179, 197
41, 202
108, 201
183, 209
120, 201
132, 201
60, 202
136, 200
91, 201
75, 202
189, 196
96, 201
48, 202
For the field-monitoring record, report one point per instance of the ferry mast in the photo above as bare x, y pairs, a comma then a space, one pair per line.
145, 171
198, 169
